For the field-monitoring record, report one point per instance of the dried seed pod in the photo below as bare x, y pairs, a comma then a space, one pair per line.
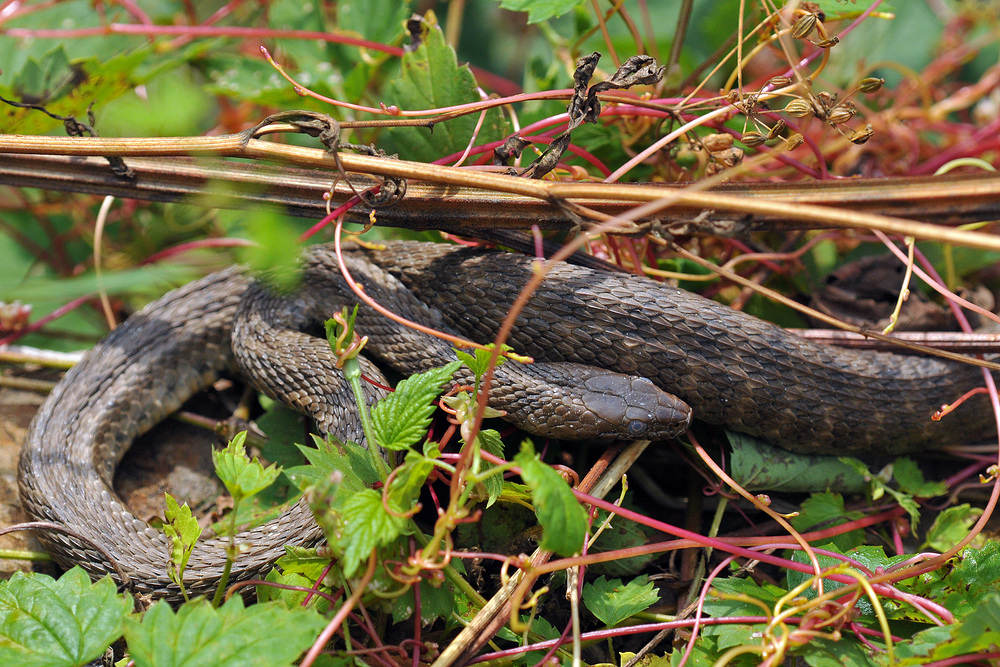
840, 115
804, 26
798, 108
871, 84
793, 142
729, 158
717, 142
779, 81
753, 139
828, 43
862, 135
778, 128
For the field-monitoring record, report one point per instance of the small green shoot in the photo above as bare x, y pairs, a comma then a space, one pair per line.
244, 478
182, 529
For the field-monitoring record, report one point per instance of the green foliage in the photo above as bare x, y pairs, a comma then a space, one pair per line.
491, 443
46, 622
366, 524
826, 510
401, 419
758, 466
563, 520
243, 477
196, 634
978, 632
65, 86
183, 531
541, 10
479, 359
613, 601
430, 78
910, 480
951, 526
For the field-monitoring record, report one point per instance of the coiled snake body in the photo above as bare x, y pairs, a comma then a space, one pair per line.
731, 368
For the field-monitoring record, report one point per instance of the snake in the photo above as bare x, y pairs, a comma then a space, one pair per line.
616, 356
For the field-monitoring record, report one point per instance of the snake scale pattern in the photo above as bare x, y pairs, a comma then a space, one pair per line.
730, 368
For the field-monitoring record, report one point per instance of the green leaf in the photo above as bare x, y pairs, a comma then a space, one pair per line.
409, 480
612, 601
873, 558
978, 632
479, 360
911, 479
758, 466
435, 602
826, 510
402, 418
329, 456
183, 531
878, 487
950, 527
68, 621
430, 78
541, 10
66, 87
563, 520
243, 478
964, 582
489, 440
365, 525
233, 635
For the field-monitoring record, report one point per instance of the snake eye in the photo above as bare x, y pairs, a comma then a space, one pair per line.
636, 427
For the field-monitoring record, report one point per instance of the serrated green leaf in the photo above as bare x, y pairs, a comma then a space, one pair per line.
330, 455
430, 78
613, 601
541, 10
978, 632
758, 466
563, 520
435, 602
911, 479
964, 582
402, 418
66, 87
489, 440
409, 480
46, 622
366, 525
233, 635
950, 527
479, 360
243, 477
182, 529
826, 510
873, 558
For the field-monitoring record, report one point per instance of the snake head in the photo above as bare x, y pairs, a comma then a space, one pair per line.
583, 402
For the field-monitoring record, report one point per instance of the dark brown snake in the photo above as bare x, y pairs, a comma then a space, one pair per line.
731, 368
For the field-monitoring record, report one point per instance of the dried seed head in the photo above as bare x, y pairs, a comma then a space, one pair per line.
753, 139
798, 108
804, 26
731, 157
779, 81
862, 135
793, 142
828, 43
717, 142
871, 84
778, 128
840, 115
